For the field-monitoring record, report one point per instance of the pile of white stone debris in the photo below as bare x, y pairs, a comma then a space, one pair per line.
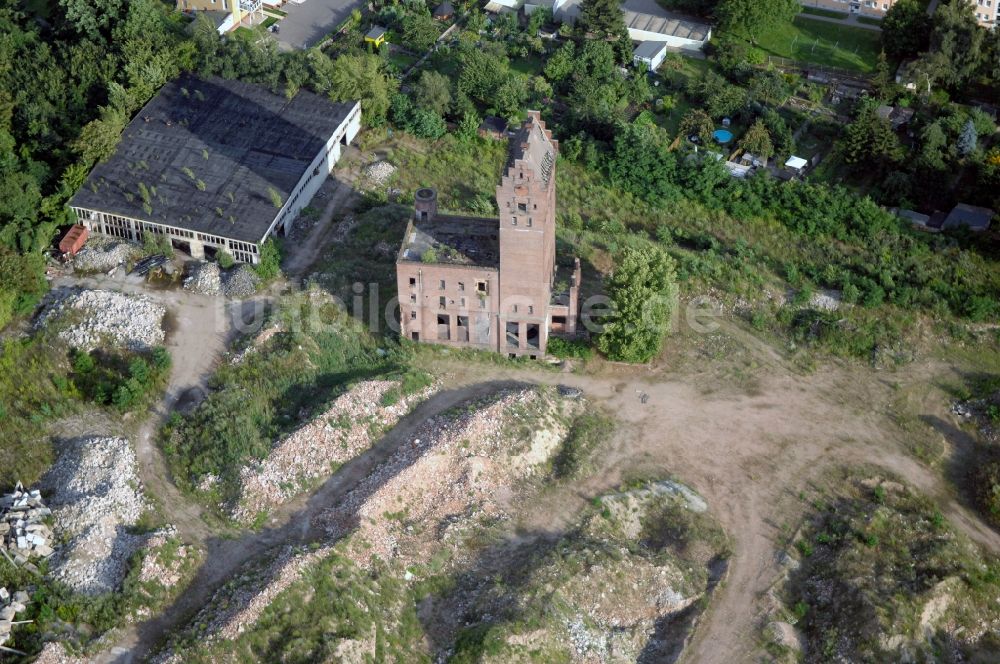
24, 535
10, 606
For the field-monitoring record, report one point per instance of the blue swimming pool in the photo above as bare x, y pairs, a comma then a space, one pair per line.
722, 136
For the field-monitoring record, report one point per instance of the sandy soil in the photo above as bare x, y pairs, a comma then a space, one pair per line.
729, 416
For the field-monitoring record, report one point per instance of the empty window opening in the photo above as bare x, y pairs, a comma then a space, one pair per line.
413, 315
461, 285
463, 328
442, 302
444, 327
413, 281
514, 335
415, 336
522, 207
532, 335
482, 287
513, 221
442, 285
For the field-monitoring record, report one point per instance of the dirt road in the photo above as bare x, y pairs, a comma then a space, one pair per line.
749, 433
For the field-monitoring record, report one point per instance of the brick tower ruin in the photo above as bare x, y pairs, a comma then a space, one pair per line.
489, 283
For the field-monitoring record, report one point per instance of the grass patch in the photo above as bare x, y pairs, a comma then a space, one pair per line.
319, 351
586, 434
828, 13
880, 553
823, 43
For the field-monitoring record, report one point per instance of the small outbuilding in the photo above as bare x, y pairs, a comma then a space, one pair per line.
976, 219
375, 36
444, 12
796, 164
650, 52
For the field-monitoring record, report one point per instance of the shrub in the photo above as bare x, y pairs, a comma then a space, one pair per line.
226, 259
269, 265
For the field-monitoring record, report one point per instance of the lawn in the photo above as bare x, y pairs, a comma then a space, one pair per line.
823, 43
816, 11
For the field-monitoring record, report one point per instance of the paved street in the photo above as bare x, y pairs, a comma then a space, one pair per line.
307, 23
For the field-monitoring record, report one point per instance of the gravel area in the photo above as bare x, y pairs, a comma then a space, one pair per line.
240, 282
458, 463
54, 653
97, 495
379, 172
102, 254
203, 277
97, 317
350, 426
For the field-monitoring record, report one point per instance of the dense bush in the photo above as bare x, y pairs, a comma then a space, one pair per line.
125, 380
643, 292
319, 351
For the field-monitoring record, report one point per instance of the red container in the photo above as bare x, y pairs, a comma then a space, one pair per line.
73, 240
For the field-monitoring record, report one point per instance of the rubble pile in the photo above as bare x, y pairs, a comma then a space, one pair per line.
54, 653
95, 317
23, 532
350, 426
204, 278
457, 463
240, 282
102, 254
379, 172
97, 496
10, 606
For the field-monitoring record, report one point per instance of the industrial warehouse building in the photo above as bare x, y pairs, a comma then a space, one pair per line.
216, 165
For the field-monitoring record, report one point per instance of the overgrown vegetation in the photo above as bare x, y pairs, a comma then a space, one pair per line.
874, 555
318, 352
42, 381
586, 433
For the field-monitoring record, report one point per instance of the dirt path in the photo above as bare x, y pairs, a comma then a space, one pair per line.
748, 443
749, 452
344, 196
295, 522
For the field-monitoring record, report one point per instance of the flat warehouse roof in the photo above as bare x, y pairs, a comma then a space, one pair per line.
204, 153
671, 26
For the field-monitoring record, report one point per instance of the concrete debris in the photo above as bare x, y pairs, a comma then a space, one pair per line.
24, 535
379, 172
96, 317
454, 464
97, 495
457, 463
103, 253
350, 426
204, 278
10, 605
54, 653
240, 282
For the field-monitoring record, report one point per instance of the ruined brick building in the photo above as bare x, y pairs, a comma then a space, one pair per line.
492, 283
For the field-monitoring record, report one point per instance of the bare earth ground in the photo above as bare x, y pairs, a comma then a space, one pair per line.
748, 444
725, 413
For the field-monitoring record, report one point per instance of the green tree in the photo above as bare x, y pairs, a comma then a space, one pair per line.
883, 84
432, 91
968, 140
561, 63
869, 140
643, 292
697, 123
757, 140
602, 19
641, 164
420, 31
751, 17
906, 29
269, 265
361, 77
958, 46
